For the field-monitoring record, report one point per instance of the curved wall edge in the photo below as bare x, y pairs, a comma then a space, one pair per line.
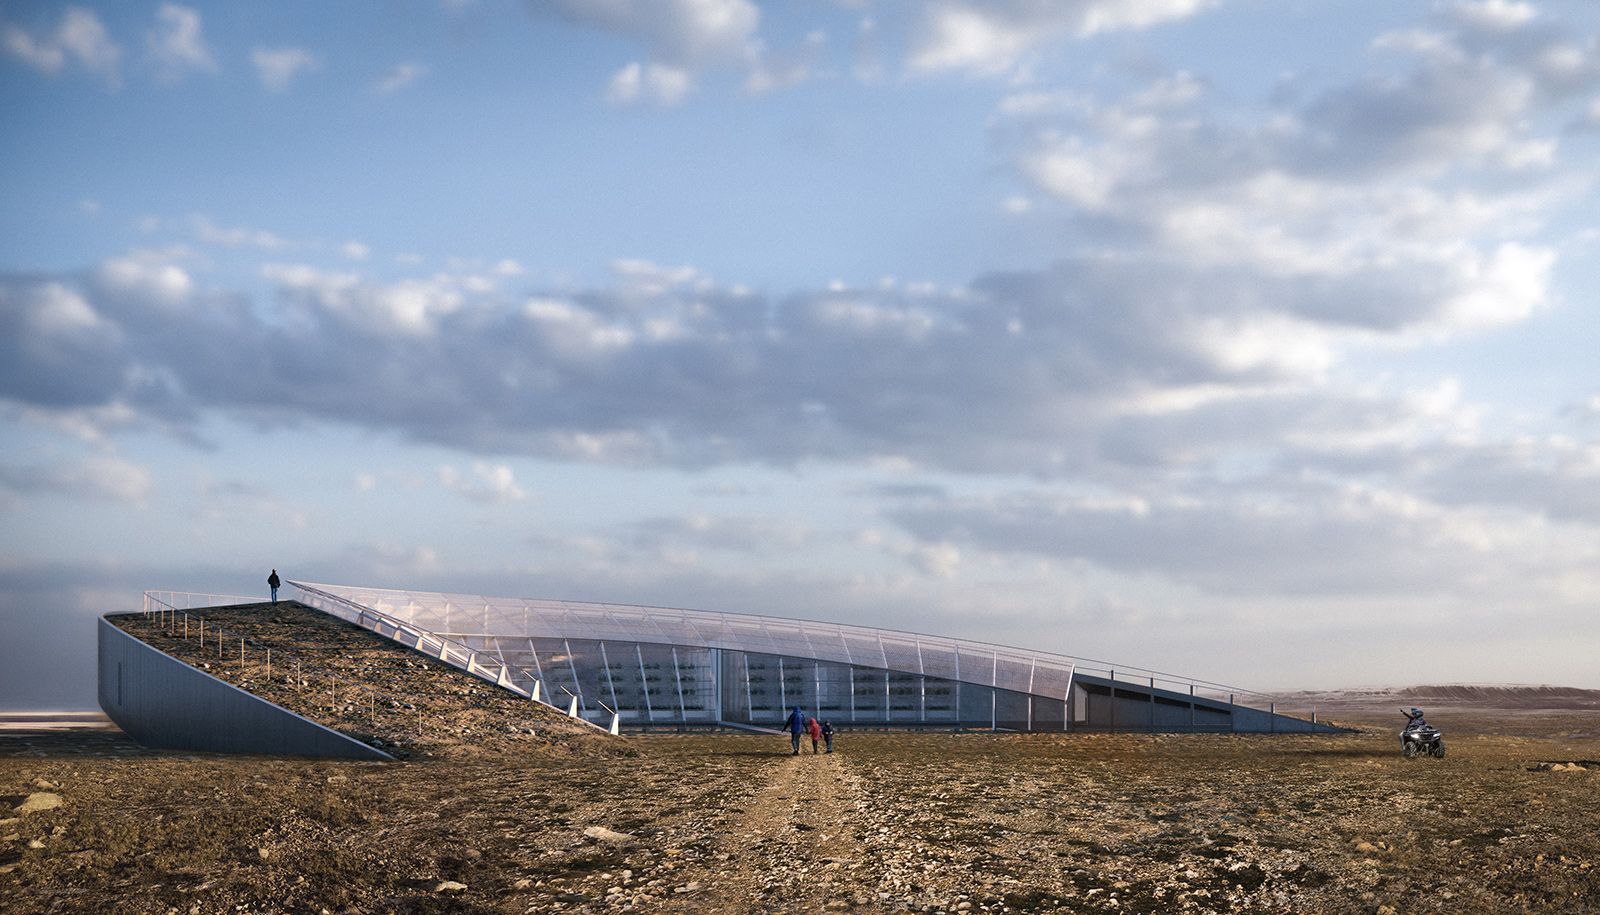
162, 702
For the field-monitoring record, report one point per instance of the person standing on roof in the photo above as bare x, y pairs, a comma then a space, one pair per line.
272, 582
795, 723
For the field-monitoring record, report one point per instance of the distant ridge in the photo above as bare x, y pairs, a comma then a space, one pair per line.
53, 720
1484, 695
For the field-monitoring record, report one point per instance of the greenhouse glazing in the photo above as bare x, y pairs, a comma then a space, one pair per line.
664, 667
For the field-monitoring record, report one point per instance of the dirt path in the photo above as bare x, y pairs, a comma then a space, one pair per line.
798, 846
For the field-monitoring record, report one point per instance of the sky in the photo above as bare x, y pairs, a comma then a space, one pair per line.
1249, 340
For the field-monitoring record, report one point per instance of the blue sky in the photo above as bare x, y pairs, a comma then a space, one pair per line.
1248, 340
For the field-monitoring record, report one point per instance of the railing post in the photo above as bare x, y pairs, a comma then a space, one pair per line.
1113, 699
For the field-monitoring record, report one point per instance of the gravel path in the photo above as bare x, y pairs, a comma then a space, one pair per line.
797, 846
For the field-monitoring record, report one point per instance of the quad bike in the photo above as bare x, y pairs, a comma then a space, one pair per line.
1419, 738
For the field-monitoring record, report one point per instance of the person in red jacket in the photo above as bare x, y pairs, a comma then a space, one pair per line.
815, 729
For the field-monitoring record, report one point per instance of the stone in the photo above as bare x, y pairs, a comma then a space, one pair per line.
45, 784
449, 886
40, 800
602, 834
35, 843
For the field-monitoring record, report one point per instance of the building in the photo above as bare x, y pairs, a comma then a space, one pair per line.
655, 667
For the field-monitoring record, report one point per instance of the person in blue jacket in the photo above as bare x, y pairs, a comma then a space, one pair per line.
796, 722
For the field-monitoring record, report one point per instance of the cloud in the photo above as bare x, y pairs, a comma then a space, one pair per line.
992, 37
1493, 15
81, 38
1405, 204
680, 38
682, 33
146, 276
656, 83
744, 534
1286, 537
790, 67
233, 236
106, 478
413, 307
176, 44
489, 483
401, 76
279, 67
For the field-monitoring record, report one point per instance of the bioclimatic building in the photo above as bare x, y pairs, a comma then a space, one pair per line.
639, 667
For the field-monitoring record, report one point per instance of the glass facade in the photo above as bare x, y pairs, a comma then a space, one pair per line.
656, 666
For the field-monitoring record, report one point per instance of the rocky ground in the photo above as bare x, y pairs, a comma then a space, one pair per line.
891, 822
363, 684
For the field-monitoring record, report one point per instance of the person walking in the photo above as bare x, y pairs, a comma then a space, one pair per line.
815, 729
272, 582
795, 723
827, 735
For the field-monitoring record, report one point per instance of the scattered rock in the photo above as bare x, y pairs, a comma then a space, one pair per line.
40, 800
45, 784
35, 843
450, 886
602, 834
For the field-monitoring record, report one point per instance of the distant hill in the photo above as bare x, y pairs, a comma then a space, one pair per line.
1499, 696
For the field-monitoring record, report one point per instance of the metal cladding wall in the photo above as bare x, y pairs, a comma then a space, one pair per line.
163, 702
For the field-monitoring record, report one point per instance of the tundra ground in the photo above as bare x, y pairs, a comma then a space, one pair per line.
891, 822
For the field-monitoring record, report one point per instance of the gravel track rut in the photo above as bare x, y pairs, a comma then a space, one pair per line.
797, 847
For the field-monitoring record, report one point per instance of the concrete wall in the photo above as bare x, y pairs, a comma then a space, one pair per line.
1170, 711
163, 702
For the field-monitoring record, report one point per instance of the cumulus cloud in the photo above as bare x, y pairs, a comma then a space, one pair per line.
658, 83
992, 37
279, 67
1402, 204
486, 482
177, 45
146, 276
80, 39
680, 38
683, 33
